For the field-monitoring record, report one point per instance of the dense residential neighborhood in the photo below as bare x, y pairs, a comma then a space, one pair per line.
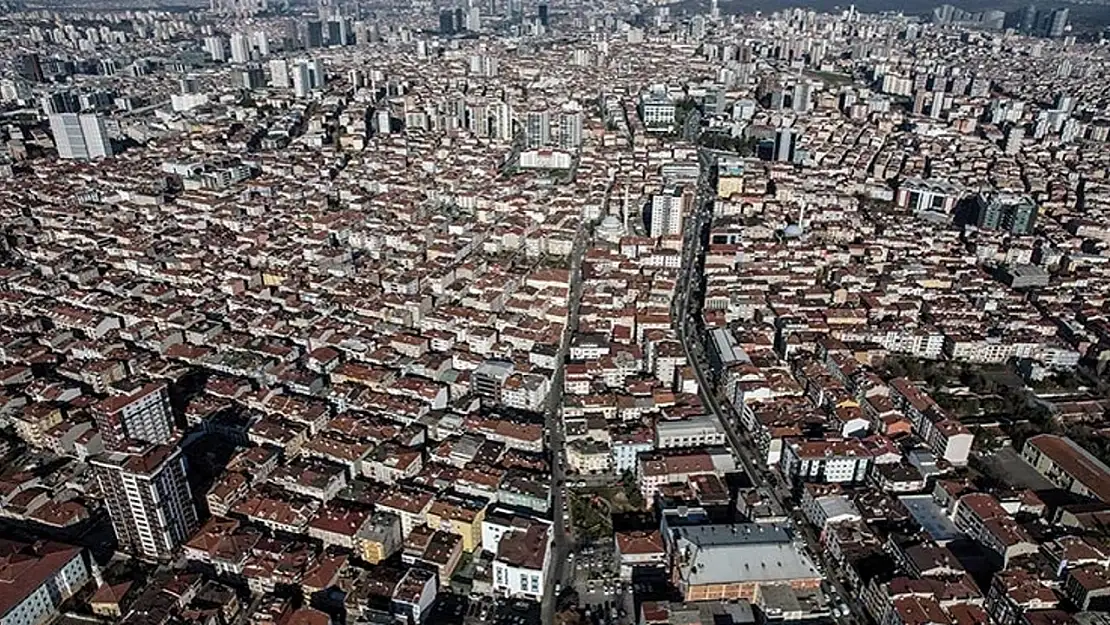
510, 313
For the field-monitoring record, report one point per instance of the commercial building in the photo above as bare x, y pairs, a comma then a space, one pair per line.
657, 110
786, 145
699, 431
733, 561
148, 498
930, 197
80, 136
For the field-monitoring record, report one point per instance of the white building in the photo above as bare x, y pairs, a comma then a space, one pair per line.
240, 48
837, 461
80, 136
143, 415
148, 498
523, 557
668, 209
700, 431
279, 74
657, 110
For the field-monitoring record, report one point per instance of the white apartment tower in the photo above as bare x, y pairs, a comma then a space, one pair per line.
668, 209
240, 48
142, 415
570, 130
148, 499
80, 136
214, 46
279, 74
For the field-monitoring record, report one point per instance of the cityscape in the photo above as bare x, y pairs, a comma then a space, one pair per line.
507, 312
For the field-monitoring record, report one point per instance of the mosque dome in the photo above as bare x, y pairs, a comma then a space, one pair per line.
792, 231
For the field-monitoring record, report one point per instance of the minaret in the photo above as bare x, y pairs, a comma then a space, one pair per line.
802, 215
624, 211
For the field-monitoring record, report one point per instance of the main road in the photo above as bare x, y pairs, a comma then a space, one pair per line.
689, 310
554, 426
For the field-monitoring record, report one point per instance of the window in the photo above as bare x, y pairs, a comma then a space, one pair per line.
535, 584
523, 581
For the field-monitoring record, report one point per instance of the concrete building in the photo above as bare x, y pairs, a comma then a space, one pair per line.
699, 431
733, 561
668, 209
1016, 214
142, 415
36, 579
80, 136
523, 557
1068, 466
148, 498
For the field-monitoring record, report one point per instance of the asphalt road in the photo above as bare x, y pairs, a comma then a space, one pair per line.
554, 424
688, 308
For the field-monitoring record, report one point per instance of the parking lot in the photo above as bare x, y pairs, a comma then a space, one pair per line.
604, 597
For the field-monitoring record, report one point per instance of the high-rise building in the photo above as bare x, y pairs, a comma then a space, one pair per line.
802, 99
314, 36
1013, 213
316, 73
447, 22
1057, 23
261, 43
279, 74
240, 48
337, 32
542, 15
214, 46
60, 102
302, 83
148, 498
570, 130
251, 77
142, 415
80, 136
537, 128
307, 75
473, 19
30, 67
1028, 20
786, 143
668, 209
1014, 136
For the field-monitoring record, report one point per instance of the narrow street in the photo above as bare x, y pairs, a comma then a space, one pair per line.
554, 425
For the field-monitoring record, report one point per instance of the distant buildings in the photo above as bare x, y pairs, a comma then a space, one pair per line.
80, 136
147, 495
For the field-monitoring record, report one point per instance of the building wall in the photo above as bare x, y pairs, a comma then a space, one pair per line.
45, 600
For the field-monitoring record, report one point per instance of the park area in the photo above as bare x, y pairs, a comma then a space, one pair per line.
592, 508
